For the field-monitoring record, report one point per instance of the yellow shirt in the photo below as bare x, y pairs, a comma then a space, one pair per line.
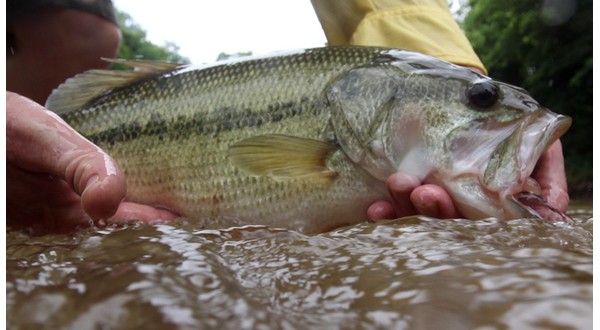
424, 26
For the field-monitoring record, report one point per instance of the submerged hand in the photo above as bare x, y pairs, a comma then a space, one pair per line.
410, 197
56, 179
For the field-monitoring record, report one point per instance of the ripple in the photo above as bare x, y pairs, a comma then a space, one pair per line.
395, 274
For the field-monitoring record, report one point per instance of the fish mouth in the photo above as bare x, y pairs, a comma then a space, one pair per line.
494, 167
526, 198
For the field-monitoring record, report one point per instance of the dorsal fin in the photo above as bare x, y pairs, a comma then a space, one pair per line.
145, 65
77, 91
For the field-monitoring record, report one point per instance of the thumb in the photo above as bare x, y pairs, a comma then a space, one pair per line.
41, 142
94, 176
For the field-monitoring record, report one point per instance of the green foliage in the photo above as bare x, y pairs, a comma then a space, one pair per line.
546, 48
135, 46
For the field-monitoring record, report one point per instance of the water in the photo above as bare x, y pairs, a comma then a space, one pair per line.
416, 273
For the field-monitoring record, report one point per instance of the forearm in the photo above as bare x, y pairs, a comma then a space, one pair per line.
424, 26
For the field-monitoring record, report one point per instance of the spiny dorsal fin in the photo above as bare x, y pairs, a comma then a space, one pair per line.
77, 91
282, 157
145, 65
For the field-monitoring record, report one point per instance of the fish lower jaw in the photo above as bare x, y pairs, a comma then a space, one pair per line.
529, 202
480, 201
531, 186
514, 203
538, 206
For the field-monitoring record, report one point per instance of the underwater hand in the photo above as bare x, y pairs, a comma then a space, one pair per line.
56, 179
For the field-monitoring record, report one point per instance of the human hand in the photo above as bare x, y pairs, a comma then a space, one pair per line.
410, 197
57, 180
550, 174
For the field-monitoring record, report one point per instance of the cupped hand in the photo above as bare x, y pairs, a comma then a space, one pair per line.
410, 197
57, 180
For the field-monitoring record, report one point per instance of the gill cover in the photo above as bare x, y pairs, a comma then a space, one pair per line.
361, 103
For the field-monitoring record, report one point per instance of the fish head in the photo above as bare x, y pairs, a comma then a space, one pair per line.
491, 158
478, 138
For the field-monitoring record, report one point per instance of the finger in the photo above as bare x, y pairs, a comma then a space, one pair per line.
400, 186
131, 211
433, 201
550, 174
381, 210
39, 141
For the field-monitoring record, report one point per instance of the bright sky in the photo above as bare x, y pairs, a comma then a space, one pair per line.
203, 29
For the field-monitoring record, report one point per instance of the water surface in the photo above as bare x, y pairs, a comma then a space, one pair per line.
415, 272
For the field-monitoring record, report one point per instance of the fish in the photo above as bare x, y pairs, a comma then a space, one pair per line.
306, 139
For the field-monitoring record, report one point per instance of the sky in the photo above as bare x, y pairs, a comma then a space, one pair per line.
203, 29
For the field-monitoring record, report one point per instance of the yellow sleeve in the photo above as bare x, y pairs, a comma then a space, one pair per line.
424, 26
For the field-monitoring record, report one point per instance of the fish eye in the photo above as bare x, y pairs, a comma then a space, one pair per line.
483, 94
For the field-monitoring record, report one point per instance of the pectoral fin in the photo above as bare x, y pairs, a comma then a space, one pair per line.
282, 157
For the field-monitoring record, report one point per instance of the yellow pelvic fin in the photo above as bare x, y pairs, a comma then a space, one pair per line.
77, 91
282, 157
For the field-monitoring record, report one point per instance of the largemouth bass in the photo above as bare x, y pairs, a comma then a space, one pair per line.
305, 140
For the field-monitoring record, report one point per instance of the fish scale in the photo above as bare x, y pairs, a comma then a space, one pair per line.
302, 140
